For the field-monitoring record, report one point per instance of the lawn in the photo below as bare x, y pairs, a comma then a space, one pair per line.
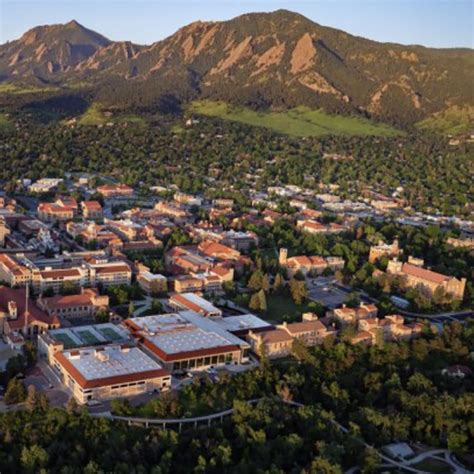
453, 120
279, 306
300, 122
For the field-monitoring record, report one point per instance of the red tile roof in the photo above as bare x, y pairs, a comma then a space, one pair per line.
424, 274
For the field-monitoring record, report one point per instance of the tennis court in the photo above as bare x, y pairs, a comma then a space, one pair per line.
88, 337
65, 339
110, 334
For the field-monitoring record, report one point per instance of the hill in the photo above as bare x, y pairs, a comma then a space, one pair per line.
299, 122
259, 60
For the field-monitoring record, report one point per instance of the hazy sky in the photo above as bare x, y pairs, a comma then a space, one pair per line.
438, 23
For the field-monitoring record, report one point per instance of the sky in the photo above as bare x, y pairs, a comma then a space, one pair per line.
435, 23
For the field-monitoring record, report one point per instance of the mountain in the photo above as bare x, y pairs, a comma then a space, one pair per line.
46, 51
264, 60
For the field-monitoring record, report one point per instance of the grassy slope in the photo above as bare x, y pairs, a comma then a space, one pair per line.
301, 121
5, 123
453, 120
16, 89
94, 115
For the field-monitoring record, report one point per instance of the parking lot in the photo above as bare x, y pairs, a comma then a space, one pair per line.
323, 291
45, 381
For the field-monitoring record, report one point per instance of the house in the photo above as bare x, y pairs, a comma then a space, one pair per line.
91, 210
457, 371
346, 315
115, 190
415, 276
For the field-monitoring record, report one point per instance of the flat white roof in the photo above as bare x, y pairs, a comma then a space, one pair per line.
110, 361
185, 331
152, 276
241, 322
207, 306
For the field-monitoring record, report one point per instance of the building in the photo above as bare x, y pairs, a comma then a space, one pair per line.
4, 232
218, 251
187, 199
313, 227
461, 242
91, 210
45, 185
309, 265
275, 343
310, 331
415, 276
384, 250
188, 341
239, 241
115, 190
13, 272
54, 340
55, 278
152, 283
172, 211
192, 302
86, 304
242, 324
108, 273
20, 315
346, 315
111, 371
53, 212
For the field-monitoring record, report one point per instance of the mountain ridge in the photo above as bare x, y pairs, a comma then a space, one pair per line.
262, 60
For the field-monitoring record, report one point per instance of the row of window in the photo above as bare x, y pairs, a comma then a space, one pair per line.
203, 361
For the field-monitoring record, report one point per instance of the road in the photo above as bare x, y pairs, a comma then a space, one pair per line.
219, 416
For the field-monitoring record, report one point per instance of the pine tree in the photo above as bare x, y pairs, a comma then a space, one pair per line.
279, 283
255, 282
262, 300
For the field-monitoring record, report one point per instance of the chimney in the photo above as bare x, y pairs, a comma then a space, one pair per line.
12, 309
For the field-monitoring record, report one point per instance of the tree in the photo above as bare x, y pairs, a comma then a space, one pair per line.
31, 398
15, 392
131, 308
279, 283
298, 290
255, 281
34, 458
72, 407
258, 301
102, 316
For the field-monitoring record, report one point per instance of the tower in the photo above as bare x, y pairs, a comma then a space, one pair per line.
283, 258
